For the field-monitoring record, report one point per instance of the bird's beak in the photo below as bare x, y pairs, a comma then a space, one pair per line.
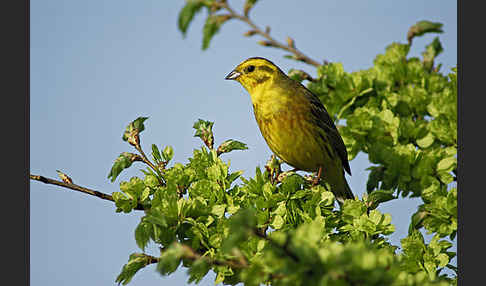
233, 75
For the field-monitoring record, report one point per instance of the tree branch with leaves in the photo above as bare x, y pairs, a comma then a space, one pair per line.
276, 227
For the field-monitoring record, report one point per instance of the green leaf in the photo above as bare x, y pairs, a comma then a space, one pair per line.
374, 178
211, 27
156, 153
307, 237
133, 130
299, 194
170, 259
443, 259
431, 52
352, 209
204, 130
423, 27
281, 209
267, 190
240, 225
151, 181
291, 183
123, 161
187, 13
233, 176
445, 177
133, 188
379, 196
198, 270
446, 164
327, 198
136, 262
216, 173
142, 234
426, 141
277, 222
417, 220
413, 250
154, 216
123, 202
219, 278
168, 153
145, 197
218, 210
230, 145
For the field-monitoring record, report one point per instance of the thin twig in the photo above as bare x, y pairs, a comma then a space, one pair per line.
191, 254
271, 41
77, 188
147, 161
151, 259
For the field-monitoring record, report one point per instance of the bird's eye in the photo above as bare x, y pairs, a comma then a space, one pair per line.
249, 68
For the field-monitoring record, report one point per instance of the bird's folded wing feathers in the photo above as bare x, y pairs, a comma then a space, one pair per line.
327, 124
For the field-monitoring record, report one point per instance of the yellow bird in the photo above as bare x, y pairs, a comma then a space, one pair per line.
295, 124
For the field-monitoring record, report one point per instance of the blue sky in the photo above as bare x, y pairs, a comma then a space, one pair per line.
97, 65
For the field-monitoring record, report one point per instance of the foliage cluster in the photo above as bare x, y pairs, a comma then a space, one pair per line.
275, 227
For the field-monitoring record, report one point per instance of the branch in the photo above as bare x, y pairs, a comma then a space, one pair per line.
191, 254
271, 42
147, 161
77, 188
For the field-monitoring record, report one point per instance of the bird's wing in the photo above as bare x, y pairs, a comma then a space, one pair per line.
327, 124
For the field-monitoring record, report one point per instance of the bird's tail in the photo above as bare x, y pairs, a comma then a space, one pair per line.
342, 191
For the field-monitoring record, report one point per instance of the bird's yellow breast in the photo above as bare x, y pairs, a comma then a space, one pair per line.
283, 122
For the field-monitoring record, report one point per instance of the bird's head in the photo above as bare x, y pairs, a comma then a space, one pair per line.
254, 72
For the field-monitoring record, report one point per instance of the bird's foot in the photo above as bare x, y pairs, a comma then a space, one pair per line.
317, 178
